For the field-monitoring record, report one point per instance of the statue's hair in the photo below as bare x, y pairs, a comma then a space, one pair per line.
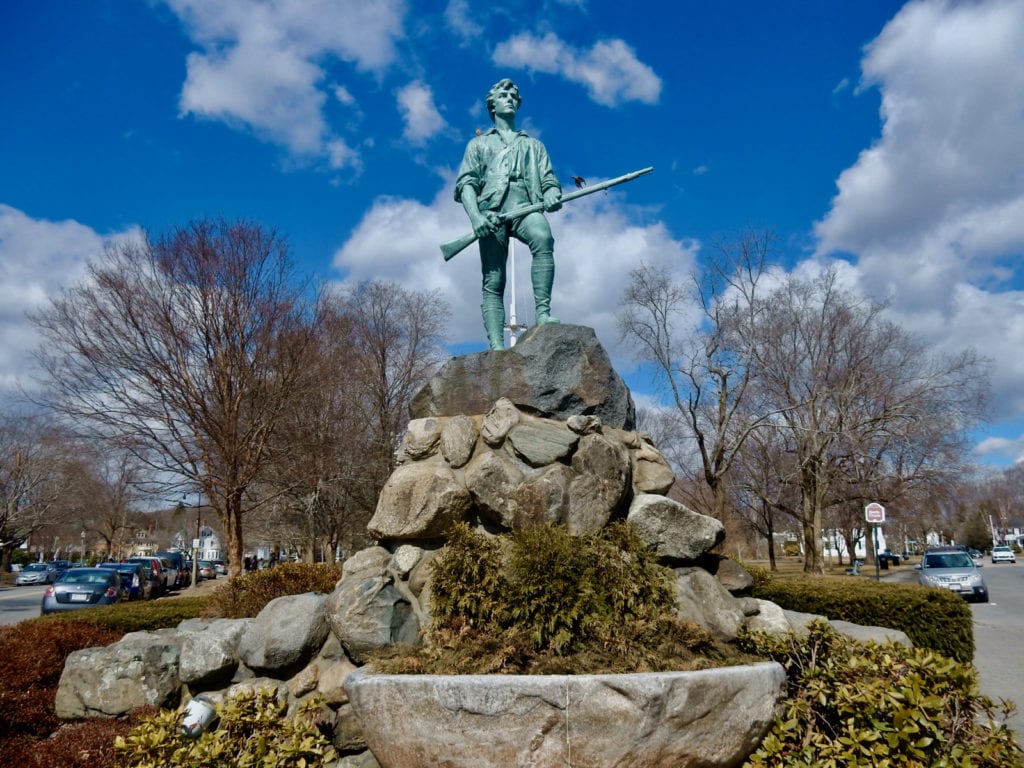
494, 89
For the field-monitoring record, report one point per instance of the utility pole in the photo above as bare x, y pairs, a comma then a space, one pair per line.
195, 548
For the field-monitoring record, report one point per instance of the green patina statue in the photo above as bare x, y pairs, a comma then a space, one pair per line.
504, 169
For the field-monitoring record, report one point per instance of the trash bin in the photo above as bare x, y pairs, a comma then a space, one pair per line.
883, 562
200, 714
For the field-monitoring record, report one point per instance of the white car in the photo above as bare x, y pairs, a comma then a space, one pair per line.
1003, 555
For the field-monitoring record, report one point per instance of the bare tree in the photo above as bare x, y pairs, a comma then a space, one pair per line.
36, 481
185, 352
106, 494
399, 335
378, 344
765, 486
693, 336
853, 389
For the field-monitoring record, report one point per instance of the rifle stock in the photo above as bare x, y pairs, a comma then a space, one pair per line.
452, 247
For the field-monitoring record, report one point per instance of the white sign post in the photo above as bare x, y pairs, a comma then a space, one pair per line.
874, 513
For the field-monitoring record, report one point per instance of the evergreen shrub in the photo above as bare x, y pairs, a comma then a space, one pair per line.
932, 618
541, 600
885, 706
253, 730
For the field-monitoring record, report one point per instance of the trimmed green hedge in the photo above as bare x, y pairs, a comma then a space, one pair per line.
136, 616
932, 618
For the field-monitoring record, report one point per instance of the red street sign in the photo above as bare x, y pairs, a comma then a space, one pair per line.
874, 513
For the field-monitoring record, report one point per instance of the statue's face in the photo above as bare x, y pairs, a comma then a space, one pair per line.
503, 99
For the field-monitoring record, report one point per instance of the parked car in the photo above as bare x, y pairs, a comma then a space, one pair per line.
976, 555
38, 573
220, 567
206, 570
82, 588
1003, 555
156, 571
167, 572
952, 568
888, 558
133, 579
180, 570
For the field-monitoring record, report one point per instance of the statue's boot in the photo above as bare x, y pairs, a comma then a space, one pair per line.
493, 309
542, 274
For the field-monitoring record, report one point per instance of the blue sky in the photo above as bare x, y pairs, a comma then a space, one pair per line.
887, 135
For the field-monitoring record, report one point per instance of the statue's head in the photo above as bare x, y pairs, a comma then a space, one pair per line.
505, 84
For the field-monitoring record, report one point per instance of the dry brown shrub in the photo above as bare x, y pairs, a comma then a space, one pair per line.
32, 655
85, 744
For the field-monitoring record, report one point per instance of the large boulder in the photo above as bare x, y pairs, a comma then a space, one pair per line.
702, 599
209, 650
712, 718
600, 485
286, 634
555, 370
367, 611
140, 669
421, 500
676, 533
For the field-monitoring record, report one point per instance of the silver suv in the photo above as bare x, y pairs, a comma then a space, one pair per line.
953, 568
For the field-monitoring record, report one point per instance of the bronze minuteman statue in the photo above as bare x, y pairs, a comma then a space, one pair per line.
506, 184
505, 169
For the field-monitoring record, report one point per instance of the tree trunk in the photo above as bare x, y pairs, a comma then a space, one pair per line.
233, 525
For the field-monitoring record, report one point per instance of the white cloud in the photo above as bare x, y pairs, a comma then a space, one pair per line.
340, 155
951, 155
37, 259
419, 113
610, 70
1001, 447
342, 94
596, 245
459, 18
934, 209
260, 63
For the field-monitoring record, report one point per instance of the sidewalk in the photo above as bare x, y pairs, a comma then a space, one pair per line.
203, 587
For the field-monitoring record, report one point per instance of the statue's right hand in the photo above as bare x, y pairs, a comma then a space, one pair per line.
487, 224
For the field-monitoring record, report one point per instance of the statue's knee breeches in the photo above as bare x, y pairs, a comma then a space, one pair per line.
535, 232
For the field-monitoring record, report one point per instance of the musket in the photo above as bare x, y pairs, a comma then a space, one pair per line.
452, 247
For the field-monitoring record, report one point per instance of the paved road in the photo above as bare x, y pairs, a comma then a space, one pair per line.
19, 603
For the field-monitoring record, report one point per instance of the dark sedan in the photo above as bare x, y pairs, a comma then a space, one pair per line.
82, 588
